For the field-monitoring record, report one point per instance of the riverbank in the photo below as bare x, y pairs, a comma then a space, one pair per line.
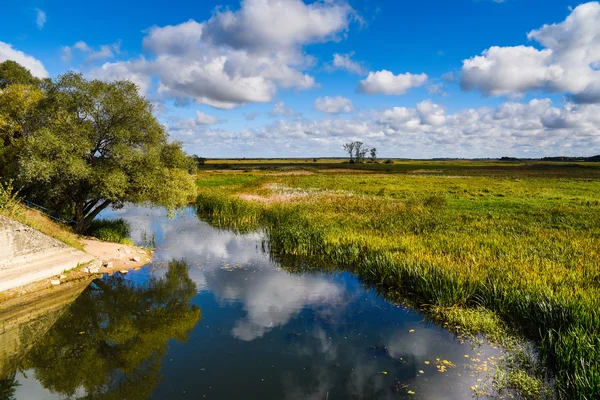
38, 253
490, 252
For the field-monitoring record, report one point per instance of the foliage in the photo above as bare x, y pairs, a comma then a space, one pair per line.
11, 207
78, 146
113, 230
110, 343
519, 243
356, 151
199, 160
12, 73
373, 152
8, 199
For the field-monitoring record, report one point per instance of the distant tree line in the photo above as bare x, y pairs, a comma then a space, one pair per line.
77, 146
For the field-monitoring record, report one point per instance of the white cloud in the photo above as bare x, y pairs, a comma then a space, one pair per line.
35, 66
449, 77
279, 109
334, 105
104, 52
533, 129
385, 82
345, 62
243, 56
66, 54
437, 88
137, 71
205, 119
564, 64
40, 18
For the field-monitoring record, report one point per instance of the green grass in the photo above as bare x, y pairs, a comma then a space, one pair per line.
12, 208
116, 230
517, 244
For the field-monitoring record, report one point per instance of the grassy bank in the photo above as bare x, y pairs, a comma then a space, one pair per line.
11, 207
519, 246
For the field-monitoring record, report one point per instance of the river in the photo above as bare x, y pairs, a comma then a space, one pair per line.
213, 317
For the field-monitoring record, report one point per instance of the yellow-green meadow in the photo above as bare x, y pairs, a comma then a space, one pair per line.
483, 246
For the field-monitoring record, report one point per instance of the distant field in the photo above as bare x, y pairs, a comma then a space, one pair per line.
462, 167
492, 247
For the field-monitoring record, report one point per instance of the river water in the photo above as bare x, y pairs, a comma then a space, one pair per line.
214, 318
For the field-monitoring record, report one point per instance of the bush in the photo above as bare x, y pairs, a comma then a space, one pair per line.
116, 230
8, 198
389, 161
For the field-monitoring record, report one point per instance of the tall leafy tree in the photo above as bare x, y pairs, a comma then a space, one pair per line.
18, 119
100, 145
12, 73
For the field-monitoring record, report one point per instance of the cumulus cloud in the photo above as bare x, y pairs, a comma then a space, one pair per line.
345, 62
385, 82
40, 18
334, 105
137, 71
570, 49
103, 52
35, 66
536, 128
243, 56
205, 119
279, 109
437, 88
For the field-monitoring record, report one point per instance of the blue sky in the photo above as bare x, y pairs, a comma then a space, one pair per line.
267, 78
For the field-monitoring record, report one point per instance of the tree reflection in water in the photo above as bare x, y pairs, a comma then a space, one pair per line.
110, 343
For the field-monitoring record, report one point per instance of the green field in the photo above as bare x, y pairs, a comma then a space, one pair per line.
507, 249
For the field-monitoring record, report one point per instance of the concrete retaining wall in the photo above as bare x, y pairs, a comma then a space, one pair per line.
27, 255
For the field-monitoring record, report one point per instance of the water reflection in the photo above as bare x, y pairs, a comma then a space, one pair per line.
111, 341
265, 333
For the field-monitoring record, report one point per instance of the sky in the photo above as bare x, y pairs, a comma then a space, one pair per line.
293, 78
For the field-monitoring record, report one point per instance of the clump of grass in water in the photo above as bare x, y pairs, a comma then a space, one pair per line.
111, 230
528, 265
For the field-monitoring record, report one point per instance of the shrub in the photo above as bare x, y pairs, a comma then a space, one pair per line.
8, 198
115, 230
389, 161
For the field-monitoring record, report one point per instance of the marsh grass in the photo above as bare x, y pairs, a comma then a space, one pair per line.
516, 251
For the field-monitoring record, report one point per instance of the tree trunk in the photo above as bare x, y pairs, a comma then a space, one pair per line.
83, 220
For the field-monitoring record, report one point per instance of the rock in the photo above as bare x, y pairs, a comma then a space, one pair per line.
127, 251
141, 251
135, 259
55, 282
62, 277
94, 270
86, 270
123, 271
109, 264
